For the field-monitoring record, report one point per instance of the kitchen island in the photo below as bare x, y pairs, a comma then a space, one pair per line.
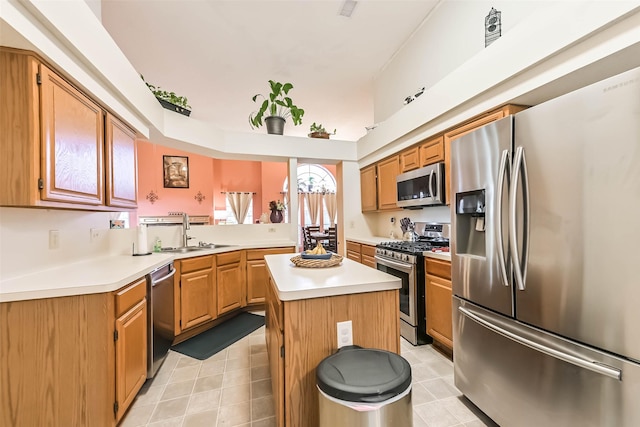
303, 307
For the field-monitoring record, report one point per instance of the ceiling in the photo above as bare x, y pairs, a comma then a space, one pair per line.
220, 53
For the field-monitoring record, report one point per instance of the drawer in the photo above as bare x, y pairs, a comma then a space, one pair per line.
368, 250
195, 264
438, 267
260, 253
129, 296
353, 246
228, 258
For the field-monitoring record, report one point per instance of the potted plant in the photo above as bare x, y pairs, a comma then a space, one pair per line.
318, 131
278, 107
170, 100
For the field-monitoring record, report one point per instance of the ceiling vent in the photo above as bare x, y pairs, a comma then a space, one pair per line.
347, 8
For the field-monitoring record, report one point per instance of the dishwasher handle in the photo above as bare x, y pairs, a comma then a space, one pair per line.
162, 279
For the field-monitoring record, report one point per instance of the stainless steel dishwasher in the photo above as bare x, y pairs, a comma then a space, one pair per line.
160, 316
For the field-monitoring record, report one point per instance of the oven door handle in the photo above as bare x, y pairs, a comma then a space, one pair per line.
405, 268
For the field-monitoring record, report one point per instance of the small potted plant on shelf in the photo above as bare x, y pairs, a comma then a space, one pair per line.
278, 106
318, 131
170, 100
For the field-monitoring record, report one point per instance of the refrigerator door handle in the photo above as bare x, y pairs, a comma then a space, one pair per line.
431, 190
577, 361
520, 270
503, 172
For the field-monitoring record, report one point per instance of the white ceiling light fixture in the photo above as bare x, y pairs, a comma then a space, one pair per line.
347, 8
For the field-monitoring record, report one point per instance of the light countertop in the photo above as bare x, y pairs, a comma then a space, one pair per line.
374, 240
350, 277
101, 274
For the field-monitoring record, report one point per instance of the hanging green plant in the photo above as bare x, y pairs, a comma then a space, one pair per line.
169, 100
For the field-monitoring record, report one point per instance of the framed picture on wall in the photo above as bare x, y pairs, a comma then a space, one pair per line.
176, 171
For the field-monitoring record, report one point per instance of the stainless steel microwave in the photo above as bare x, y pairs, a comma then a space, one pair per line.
421, 187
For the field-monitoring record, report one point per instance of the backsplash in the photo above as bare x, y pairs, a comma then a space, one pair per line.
384, 226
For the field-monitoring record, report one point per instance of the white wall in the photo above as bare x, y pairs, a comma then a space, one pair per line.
451, 34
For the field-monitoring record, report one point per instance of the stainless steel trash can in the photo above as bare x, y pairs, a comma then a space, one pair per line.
362, 387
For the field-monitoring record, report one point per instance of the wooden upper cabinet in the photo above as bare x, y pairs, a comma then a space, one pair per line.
72, 128
53, 142
470, 127
432, 151
409, 159
388, 170
121, 164
368, 189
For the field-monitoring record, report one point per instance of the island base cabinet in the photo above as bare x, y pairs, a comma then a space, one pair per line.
309, 334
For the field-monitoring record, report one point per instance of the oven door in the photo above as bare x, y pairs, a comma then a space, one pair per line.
407, 273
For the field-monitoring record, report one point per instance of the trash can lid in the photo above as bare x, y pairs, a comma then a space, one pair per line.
359, 374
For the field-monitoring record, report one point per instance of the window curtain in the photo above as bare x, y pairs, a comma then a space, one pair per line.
313, 203
239, 203
332, 208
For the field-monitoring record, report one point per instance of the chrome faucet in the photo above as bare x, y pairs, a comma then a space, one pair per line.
185, 227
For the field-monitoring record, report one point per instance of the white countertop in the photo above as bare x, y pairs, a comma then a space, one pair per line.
350, 277
101, 274
374, 240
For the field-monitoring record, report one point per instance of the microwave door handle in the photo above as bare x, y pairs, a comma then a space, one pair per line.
503, 173
520, 169
431, 189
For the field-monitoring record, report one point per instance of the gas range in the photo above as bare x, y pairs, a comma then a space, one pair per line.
408, 251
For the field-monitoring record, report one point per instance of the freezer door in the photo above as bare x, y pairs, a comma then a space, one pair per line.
480, 169
582, 156
523, 377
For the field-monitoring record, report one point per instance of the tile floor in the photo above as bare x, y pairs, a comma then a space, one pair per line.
233, 388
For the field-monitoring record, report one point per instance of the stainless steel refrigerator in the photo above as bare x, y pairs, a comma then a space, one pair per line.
546, 260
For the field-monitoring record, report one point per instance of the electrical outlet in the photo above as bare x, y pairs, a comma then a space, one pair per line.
54, 239
345, 333
94, 233
271, 230
352, 224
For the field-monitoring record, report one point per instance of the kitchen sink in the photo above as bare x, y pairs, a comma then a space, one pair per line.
194, 248
182, 250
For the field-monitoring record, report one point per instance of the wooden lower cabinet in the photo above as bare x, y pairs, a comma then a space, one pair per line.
131, 344
301, 333
359, 252
62, 364
197, 290
231, 281
438, 296
257, 274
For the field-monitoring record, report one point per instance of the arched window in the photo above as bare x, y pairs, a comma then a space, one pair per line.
312, 178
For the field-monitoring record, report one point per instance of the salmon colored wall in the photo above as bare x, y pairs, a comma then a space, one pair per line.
209, 176
150, 177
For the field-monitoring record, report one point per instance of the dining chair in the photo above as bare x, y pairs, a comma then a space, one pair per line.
306, 237
332, 244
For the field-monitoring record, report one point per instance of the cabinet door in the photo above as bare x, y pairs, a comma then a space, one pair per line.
197, 298
432, 151
388, 170
230, 282
409, 159
368, 193
72, 129
131, 355
257, 279
121, 164
275, 342
439, 314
